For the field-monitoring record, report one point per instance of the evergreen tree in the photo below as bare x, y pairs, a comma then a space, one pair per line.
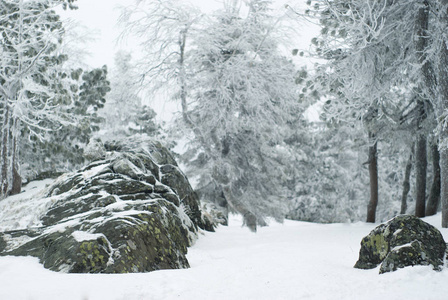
124, 113
62, 149
30, 79
375, 60
239, 112
145, 122
237, 94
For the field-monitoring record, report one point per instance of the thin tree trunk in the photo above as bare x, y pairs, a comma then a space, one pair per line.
441, 108
434, 194
373, 172
16, 178
406, 184
4, 179
444, 185
420, 175
250, 220
421, 44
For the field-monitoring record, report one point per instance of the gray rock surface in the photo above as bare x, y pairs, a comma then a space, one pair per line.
403, 241
130, 211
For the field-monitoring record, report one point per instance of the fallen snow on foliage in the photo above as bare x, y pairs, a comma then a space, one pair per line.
294, 260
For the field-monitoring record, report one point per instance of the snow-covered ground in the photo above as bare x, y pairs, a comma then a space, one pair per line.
294, 260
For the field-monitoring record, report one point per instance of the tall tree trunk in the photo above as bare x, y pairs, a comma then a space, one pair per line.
4, 174
406, 184
442, 107
444, 185
420, 175
373, 172
16, 186
434, 194
421, 44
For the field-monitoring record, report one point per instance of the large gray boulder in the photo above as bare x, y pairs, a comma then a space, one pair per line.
130, 211
403, 241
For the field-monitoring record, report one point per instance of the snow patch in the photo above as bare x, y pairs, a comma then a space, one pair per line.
16, 242
402, 246
282, 261
94, 171
81, 236
398, 231
24, 210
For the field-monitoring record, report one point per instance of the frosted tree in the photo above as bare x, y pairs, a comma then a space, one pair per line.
30, 78
376, 62
62, 144
243, 95
330, 176
237, 94
124, 113
163, 27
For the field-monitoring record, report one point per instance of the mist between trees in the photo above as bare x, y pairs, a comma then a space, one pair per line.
377, 150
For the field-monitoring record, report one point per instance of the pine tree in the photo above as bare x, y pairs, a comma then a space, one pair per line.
30, 78
376, 60
124, 113
237, 94
239, 112
66, 142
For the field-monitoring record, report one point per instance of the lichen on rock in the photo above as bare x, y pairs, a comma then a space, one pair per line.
132, 210
403, 241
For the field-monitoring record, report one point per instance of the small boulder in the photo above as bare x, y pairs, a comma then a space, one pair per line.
403, 241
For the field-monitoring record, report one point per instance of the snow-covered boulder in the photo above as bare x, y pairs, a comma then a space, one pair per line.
131, 211
403, 241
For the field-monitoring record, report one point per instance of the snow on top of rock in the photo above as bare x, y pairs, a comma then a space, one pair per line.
402, 246
13, 243
398, 231
82, 236
95, 170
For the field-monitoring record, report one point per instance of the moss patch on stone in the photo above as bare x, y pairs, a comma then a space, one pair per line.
403, 241
128, 211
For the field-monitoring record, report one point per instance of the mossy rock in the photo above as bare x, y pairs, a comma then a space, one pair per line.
128, 212
403, 241
374, 249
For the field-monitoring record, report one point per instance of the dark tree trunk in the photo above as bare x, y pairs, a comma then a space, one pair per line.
4, 180
442, 106
444, 186
250, 220
16, 182
420, 175
434, 194
16, 178
373, 172
406, 184
421, 44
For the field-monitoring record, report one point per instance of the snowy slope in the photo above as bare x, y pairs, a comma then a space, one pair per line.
294, 260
